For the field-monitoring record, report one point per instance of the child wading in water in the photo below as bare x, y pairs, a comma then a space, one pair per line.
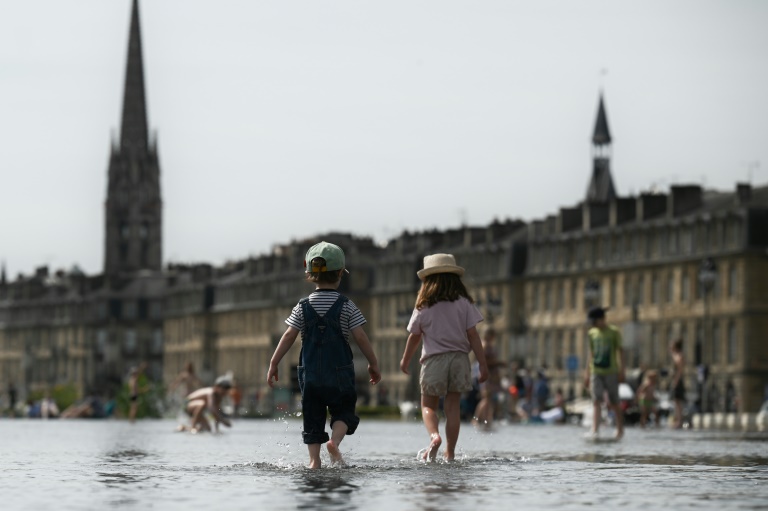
444, 318
326, 319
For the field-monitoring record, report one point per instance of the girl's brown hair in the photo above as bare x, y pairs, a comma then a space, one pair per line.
441, 287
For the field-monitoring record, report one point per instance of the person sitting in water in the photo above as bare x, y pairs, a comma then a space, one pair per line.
207, 399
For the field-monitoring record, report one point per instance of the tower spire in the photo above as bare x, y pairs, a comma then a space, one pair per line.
600, 188
134, 133
602, 135
134, 205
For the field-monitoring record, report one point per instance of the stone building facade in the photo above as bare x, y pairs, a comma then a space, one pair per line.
644, 257
690, 263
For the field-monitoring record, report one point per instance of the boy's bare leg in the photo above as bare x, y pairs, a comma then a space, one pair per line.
452, 408
429, 406
338, 430
314, 455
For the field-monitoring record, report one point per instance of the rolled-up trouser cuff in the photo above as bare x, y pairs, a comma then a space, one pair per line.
315, 438
350, 419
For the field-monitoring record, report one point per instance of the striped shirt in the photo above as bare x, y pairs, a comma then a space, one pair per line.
322, 300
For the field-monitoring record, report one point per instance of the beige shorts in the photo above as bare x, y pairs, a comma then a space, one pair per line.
446, 372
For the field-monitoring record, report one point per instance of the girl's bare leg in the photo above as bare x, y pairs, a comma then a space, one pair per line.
338, 430
314, 455
429, 406
452, 407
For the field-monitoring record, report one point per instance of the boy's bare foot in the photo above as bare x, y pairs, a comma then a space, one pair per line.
430, 453
334, 452
314, 464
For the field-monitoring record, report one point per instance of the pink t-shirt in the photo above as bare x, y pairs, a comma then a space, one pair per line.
443, 327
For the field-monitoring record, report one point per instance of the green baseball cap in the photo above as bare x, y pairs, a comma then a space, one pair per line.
333, 255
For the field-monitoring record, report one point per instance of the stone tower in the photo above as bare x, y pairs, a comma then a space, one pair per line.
133, 214
600, 187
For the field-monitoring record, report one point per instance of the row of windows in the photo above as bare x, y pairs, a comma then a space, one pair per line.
636, 246
659, 287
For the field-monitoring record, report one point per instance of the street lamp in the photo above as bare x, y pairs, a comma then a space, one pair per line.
707, 278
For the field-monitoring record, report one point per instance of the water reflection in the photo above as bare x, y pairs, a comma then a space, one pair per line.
118, 479
664, 459
326, 488
124, 455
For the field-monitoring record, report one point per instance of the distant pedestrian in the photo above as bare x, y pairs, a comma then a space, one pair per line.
646, 396
445, 318
605, 369
207, 400
186, 379
326, 320
134, 389
677, 384
236, 396
12, 396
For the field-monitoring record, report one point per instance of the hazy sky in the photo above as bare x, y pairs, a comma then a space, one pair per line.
278, 120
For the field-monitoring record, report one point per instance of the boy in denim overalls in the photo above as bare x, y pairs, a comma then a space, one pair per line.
326, 319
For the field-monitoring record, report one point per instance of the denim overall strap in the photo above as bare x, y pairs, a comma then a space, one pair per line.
324, 348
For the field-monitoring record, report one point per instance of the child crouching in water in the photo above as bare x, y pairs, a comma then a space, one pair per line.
326, 319
445, 319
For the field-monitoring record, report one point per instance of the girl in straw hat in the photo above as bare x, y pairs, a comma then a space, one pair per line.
445, 319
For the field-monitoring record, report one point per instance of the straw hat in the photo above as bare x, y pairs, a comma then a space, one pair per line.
439, 263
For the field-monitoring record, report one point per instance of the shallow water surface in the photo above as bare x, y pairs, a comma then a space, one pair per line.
78, 464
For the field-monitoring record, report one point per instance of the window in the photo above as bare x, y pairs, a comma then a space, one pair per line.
652, 346
547, 297
560, 296
655, 289
129, 309
669, 338
685, 287
715, 343
641, 289
101, 342
627, 291
732, 342
673, 240
732, 281
129, 343
671, 287
612, 298
574, 294
534, 296
157, 341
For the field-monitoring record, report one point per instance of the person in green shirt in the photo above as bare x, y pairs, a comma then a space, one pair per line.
605, 369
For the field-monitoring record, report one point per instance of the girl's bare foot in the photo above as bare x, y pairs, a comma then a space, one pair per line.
334, 452
313, 464
430, 453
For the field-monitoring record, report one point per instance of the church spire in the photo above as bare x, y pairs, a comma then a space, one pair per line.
133, 133
600, 188
601, 135
133, 239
